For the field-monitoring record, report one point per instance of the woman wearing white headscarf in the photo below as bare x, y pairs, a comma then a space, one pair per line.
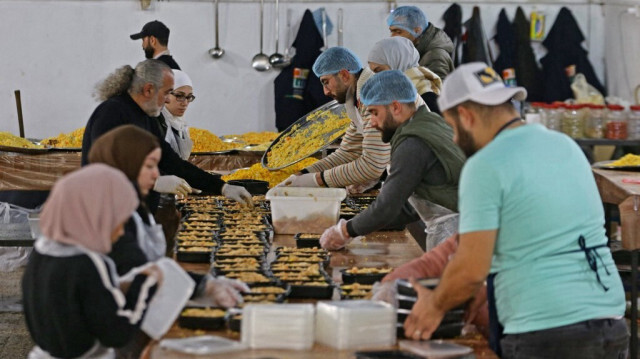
177, 131
73, 302
399, 53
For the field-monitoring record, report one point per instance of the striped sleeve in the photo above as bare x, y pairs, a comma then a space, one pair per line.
367, 166
350, 149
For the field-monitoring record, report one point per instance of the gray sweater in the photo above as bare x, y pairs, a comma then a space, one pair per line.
409, 162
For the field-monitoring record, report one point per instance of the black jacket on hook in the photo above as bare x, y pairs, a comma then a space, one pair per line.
505, 37
288, 107
475, 46
528, 73
453, 28
564, 43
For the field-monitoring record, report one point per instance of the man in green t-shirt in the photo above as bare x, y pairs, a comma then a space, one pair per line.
532, 226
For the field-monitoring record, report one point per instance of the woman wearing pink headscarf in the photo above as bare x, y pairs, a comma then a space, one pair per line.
73, 301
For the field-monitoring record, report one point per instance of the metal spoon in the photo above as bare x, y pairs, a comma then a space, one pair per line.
287, 50
216, 52
340, 20
260, 62
278, 60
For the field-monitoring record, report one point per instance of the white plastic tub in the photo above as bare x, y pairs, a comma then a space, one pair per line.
278, 326
301, 209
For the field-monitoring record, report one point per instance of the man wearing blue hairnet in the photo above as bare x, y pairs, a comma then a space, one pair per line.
425, 164
362, 156
433, 44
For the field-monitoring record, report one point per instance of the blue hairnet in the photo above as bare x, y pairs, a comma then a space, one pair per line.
335, 59
387, 86
408, 18
317, 17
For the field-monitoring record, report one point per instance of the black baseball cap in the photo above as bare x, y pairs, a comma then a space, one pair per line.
153, 28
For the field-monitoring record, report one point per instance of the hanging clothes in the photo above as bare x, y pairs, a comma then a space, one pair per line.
297, 89
565, 58
453, 28
475, 47
528, 73
505, 38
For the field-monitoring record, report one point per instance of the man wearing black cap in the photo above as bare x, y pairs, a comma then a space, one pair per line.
155, 37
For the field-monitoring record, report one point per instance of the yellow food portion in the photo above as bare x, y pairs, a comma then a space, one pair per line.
72, 139
203, 312
257, 172
7, 139
256, 138
205, 141
305, 142
356, 270
627, 160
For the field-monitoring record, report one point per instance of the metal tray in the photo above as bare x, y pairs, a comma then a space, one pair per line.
29, 151
333, 107
607, 165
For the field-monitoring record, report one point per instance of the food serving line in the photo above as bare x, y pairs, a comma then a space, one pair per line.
380, 249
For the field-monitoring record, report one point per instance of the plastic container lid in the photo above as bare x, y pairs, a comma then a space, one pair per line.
634, 108
615, 107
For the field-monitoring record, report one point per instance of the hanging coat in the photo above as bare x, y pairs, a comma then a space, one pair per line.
528, 73
564, 45
505, 38
297, 89
475, 46
453, 28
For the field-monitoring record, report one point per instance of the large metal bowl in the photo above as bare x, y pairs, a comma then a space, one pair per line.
330, 107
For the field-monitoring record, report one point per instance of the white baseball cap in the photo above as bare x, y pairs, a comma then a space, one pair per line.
476, 82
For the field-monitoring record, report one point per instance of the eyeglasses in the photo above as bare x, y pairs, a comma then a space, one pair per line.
182, 97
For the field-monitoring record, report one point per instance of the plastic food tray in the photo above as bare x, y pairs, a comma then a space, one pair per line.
208, 323
371, 278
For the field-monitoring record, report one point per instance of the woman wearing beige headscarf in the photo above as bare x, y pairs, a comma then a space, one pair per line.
399, 53
73, 304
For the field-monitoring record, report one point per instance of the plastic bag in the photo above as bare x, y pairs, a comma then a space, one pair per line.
585, 93
441, 222
14, 224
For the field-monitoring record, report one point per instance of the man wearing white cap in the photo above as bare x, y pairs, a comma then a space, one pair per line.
174, 126
532, 226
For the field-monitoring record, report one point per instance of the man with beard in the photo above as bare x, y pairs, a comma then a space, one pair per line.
137, 96
362, 156
155, 38
532, 226
425, 162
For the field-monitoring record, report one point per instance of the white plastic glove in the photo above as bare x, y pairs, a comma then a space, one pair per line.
333, 238
303, 180
238, 194
225, 292
172, 184
360, 187
386, 292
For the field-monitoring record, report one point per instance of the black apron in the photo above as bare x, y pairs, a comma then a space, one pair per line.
496, 330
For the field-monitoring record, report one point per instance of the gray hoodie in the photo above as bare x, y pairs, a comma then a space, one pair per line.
435, 49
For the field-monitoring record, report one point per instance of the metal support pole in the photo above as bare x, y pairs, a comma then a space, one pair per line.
633, 344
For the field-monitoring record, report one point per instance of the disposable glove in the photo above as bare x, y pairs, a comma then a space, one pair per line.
238, 194
360, 187
333, 238
225, 292
303, 180
172, 184
386, 292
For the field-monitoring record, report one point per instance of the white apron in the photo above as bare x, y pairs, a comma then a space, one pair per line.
150, 238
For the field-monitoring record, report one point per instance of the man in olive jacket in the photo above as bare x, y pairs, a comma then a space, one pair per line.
433, 44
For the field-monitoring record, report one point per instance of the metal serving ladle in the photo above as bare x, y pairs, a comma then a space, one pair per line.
216, 52
260, 62
277, 59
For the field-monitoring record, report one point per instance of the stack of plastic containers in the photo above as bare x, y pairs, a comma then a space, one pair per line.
355, 324
278, 326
